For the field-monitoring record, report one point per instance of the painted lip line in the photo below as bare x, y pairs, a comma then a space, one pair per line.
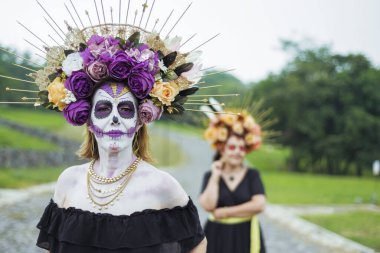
115, 133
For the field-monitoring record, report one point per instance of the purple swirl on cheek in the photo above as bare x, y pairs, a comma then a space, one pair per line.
131, 131
126, 109
103, 109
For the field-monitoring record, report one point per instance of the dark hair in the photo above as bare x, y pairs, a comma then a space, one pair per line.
217, 156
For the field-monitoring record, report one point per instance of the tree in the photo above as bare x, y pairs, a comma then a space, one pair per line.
327, 107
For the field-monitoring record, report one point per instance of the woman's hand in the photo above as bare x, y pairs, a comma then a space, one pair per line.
220, 213
216, 169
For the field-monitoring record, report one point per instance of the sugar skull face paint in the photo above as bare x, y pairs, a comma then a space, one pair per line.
114, 116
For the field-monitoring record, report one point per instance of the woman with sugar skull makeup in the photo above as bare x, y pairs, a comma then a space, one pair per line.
118, 202
232, 193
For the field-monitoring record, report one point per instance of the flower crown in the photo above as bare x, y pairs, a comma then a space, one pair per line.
153, 69
224, 125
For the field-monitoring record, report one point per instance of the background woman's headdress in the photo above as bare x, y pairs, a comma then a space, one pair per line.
164, 79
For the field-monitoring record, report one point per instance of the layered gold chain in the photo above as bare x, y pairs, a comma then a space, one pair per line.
112, 195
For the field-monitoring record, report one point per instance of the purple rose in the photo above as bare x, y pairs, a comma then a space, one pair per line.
95, 40
111, 41
121, 66
148, 112
77, 113
140, 81
97, 71
87, 56
80, 84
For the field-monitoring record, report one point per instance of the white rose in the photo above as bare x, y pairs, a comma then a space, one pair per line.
73, 62
173, 44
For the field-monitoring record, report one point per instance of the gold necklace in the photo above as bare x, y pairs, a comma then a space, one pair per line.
107, 180
115, 194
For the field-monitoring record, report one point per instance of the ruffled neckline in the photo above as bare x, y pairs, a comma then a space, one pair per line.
71, 209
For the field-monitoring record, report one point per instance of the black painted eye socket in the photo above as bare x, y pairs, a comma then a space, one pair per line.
103, 108
126, 109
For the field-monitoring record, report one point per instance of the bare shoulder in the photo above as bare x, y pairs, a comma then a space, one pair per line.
67, 180
166, 187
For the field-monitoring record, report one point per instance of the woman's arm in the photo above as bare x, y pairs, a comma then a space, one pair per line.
209, 197
201, 247
255, 206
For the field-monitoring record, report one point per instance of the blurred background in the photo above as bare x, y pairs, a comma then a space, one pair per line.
311, 66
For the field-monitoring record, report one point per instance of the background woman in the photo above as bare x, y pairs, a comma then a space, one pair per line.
232, 193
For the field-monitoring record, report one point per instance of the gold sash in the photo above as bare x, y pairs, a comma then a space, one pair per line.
255, 231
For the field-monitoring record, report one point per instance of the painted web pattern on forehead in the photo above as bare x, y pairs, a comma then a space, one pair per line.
115, 90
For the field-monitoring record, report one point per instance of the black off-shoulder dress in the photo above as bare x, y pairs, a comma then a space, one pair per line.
231, 238
72, 230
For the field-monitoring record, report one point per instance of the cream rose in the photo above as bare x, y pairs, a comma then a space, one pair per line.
228, 119
211, 134
238, 128
249, 122
57, 93
165, 92
222, 134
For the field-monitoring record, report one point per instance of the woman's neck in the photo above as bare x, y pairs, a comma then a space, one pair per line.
111, 164
231, 168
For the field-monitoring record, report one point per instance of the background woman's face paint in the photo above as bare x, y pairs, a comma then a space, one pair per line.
114, 117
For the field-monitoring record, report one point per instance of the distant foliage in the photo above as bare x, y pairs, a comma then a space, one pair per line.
328, 109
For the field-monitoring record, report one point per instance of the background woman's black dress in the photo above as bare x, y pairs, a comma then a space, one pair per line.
231, 238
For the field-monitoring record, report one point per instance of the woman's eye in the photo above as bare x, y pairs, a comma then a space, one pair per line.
103, 109
125, 109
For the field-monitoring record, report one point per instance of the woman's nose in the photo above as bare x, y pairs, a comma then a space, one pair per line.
115, 120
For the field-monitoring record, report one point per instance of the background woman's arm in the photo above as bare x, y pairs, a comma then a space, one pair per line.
255, 206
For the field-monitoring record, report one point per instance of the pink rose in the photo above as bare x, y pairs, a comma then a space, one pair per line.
97, 71
148, 112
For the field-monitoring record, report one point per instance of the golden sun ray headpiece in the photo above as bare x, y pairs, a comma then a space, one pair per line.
151, 65
239, 122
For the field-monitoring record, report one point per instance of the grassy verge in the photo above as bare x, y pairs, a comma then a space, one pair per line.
292, 188
24, 177
165, 152
38, 118
17, 140
362, 227
269, 158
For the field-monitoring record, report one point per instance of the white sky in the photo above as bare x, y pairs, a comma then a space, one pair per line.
250, 29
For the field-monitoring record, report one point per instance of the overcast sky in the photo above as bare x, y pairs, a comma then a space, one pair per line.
250, 29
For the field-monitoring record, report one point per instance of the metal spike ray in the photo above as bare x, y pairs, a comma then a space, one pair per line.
155, 23
36, 104
16, 79
166, 21
9, 52
33, 33
167, 35
194, 110
30, 43
23, 67
216, 95
104, 15
67, 8
97, 12
50, 16
187, 40
80, 20
52, 27
145, 5
119, 11
89, 19
205, 42
150, 12
111, 10
41, 56
55, 41
126, 17
134, 20
208, 68
19, 90
212, 86
215, 73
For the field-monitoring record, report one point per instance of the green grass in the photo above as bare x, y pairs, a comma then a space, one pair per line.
38, 118
13, 139
293, 188
360, 226
181, 128
166, 153
24, 177
269, 158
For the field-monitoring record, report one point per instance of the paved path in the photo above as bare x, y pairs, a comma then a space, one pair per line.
18, 220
